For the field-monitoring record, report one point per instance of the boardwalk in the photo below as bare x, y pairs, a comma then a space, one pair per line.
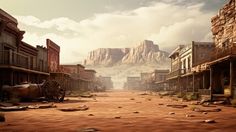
120, 111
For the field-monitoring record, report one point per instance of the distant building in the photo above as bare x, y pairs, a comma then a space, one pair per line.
133, 83
106, 82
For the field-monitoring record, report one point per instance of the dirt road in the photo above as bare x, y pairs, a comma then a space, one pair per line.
120, 111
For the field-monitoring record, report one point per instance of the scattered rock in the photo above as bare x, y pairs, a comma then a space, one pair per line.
119, 107
90, 114
136, 112
14, 108
80, 108
132, 99
206, 110
44, 102
89, 130
219, 102
204, 101
171, 113
42, 106
2, 118
210, 121
160, 104
144, 94
139, 102
177, 106
190, 115
118, 117
149, 99
204, 113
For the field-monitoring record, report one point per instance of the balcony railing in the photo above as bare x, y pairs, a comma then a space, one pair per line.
12, 58
176, 73
229, 49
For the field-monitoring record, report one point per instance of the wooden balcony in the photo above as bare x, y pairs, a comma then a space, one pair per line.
228, 50
10, 58
176, 74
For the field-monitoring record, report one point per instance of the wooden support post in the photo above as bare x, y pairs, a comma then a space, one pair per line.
231, 77
211, 81
12, 78
193, 82
203, 80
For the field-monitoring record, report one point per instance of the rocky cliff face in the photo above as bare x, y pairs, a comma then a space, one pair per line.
145, 53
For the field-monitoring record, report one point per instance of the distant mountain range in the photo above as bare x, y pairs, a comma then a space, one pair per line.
145, 53
122, 62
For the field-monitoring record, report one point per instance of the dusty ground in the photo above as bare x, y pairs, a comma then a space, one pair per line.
150, 117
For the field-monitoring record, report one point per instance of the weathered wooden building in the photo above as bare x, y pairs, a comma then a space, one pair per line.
133, 83
189, 68
159, 80
223, 62
19, 61
175, 71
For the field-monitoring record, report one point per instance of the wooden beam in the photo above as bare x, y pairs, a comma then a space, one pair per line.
231, 77
193, 82
211, 81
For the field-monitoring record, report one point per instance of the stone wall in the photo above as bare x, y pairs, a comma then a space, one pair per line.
224, 25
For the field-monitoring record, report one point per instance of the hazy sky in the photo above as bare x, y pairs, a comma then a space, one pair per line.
80, 26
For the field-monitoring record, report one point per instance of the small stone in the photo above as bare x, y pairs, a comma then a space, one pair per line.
2, 118
171, 113
119, 107
90, 114
204, 113
190, 115
136, 112
139, 102
210, 121
132, 99
117, 117
160, 104
89, 130
44, 102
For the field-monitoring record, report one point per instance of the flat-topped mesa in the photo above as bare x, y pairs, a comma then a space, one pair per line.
105, 56
145, 52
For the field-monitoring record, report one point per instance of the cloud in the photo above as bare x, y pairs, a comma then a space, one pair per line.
166, 23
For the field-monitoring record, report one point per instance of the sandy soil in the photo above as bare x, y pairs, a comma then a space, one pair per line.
150, 117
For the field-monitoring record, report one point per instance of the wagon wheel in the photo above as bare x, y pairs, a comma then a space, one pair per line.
53, 91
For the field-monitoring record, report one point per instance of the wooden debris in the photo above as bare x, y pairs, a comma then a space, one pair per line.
42, 106
206, 110
81, 108
14, 108
89, 130
177, 106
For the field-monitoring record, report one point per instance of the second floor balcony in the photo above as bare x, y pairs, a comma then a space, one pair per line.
225, 50
11, 58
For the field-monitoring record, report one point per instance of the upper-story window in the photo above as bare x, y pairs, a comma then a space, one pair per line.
8, 38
